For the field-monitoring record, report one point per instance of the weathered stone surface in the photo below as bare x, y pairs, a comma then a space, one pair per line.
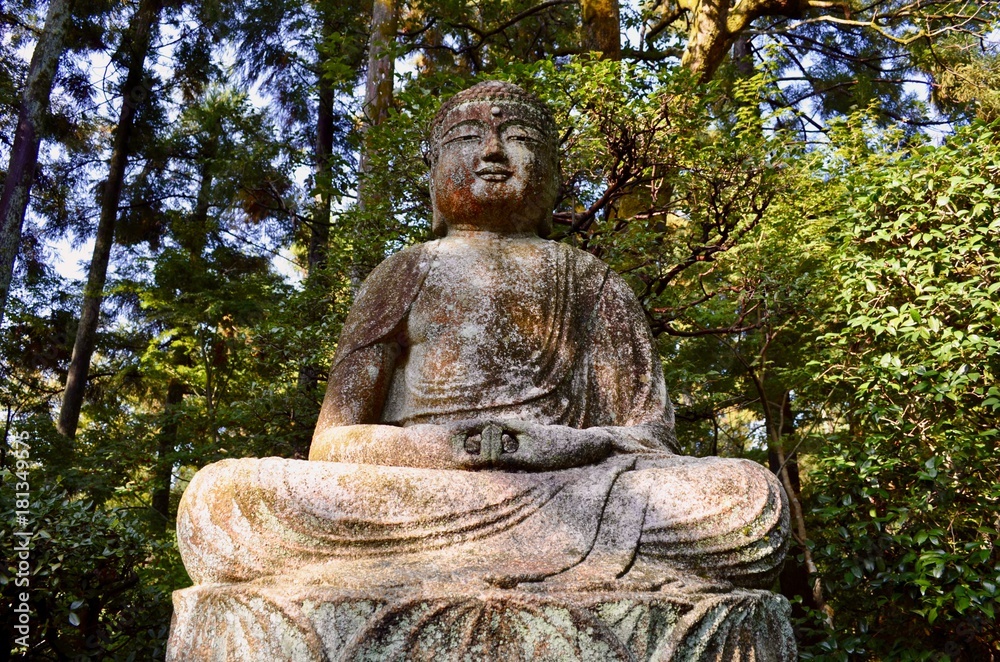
248, 622
496, 426
645, 518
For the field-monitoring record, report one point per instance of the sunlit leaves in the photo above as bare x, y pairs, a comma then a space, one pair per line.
917, 356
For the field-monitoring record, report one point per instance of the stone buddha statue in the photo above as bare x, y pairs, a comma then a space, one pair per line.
495, 418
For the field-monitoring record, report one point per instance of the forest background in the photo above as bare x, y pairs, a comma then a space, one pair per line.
804, 195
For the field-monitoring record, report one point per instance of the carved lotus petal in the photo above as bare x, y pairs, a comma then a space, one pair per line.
500, 627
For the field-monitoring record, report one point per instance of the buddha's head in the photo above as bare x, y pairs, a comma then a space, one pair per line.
494, 161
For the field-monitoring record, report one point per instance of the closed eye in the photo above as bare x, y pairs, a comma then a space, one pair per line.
466, 138
521, 134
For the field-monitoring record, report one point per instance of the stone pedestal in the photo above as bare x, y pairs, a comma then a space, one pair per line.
270, 623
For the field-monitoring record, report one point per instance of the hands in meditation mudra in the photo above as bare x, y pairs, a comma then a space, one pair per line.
495, 414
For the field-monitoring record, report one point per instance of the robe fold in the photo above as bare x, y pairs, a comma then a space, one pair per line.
509, 327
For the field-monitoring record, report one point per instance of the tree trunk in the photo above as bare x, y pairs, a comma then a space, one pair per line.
193, 237
743, 56
796, 578
135, 46
715, 26
601, 28
378, 101
167, 443
779, 421
708, 39
24, 154
381, 66
319, 238
196, 238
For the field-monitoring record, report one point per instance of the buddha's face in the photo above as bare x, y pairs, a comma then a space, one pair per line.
495, 169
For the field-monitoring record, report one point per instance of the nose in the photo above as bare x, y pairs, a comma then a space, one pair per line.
493, 148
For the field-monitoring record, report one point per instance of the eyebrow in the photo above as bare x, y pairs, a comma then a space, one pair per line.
503, 125
520, 122
463, 123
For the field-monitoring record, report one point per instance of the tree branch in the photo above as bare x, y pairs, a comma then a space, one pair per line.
517, 18
663, 24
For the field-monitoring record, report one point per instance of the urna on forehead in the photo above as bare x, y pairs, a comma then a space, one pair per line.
505, 98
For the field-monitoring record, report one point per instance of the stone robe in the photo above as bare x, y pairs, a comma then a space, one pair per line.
497, 327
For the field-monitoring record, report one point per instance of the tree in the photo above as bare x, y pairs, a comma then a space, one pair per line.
376, 106
312, 56
601, 27
24, 153
135, 90
203, 290
13, 68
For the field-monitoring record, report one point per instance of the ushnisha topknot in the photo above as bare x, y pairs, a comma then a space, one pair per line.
494, 90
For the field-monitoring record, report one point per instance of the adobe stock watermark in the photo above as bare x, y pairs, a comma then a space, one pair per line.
21, 539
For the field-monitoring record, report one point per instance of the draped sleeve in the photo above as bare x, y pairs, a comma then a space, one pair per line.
371, 339
384, 300
625, 367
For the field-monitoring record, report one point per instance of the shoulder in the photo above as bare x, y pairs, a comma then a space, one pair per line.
398, 273
612, 284
385, 297
410, 259
573, 253
580, 262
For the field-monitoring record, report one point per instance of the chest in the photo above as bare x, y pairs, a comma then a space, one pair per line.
490, 293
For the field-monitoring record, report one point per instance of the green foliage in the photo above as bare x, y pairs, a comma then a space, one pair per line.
99, 585
752, 257
907, 491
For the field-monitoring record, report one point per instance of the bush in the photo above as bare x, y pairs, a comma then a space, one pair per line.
907, 494
98, 581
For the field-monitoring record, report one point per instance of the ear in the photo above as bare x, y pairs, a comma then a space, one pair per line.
438, 225
545, 226
551, 195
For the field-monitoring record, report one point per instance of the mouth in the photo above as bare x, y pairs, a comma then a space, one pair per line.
494, 174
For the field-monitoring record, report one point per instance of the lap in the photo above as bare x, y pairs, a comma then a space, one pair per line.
336, 488
659, 505
274, 514
682, 490
675, 488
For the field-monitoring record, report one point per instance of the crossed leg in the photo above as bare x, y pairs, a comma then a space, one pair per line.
653, 519
687, 521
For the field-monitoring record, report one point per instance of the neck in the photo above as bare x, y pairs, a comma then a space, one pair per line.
496, 223
480, 233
